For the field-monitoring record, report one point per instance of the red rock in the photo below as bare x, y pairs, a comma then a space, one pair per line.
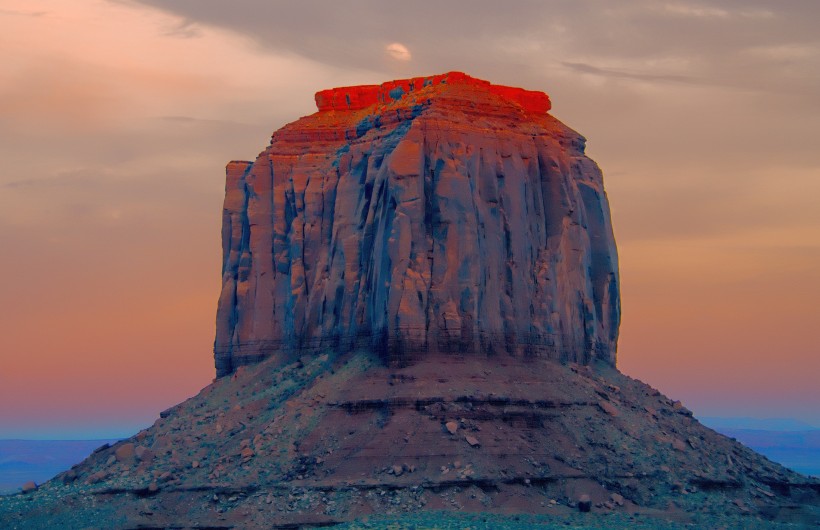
364, 96
766, 493
143, 453
451, 426
124, 452
472, 440
94, 478
608, 407
29, 486
431, 214
679, 444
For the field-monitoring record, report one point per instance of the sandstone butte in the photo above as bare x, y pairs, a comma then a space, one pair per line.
434, 214
417, 327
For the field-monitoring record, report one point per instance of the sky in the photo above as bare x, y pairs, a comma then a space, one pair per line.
117, 118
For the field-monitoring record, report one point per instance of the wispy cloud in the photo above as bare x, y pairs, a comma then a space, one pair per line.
46, 182
191, 120
185, 29
786, 52
690, 10
639, 76
711, 12
15, 13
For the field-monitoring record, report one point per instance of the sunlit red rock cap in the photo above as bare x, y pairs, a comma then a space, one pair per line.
364, 96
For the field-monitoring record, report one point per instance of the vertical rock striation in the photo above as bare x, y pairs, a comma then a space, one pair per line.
439, 214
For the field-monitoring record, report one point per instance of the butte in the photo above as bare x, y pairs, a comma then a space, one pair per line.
419, 314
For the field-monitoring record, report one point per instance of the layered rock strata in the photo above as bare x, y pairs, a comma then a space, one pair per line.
328, 440
440, 214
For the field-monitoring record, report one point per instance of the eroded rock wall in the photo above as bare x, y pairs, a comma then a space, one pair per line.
437, 215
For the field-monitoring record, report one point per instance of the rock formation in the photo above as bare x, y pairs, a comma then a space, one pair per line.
454, 224
434, 214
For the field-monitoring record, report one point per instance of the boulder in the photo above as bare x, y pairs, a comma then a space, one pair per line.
124, 452
143, 453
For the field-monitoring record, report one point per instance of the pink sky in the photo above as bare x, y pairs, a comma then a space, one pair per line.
117, 118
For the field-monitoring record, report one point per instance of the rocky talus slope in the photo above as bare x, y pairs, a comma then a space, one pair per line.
329, 439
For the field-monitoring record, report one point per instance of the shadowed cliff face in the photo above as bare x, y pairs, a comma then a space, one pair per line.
425, 215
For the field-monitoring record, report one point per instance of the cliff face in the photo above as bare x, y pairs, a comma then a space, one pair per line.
439, 214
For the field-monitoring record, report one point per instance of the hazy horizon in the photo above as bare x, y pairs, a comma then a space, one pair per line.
718, 423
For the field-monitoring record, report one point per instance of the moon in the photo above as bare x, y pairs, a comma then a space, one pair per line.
398, 51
